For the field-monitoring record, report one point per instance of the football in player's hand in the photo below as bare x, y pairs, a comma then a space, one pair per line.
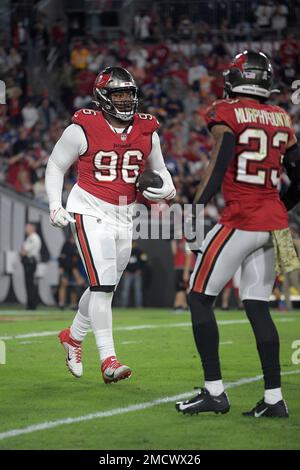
149, 179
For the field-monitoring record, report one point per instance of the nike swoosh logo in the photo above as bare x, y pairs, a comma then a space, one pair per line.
257, 415
184, 407
109, 375
69, 358
218, 401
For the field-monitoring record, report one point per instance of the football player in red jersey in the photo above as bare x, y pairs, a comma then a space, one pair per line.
112, 146
253, 140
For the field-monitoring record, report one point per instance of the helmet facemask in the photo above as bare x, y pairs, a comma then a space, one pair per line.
108, 91
126, 107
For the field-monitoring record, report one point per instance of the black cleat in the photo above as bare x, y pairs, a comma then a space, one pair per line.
204, 402
264, 410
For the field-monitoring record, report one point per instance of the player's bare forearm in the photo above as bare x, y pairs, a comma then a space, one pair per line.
206, 177
291, 163
221, 156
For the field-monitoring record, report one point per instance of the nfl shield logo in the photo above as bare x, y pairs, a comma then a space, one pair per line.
123, 137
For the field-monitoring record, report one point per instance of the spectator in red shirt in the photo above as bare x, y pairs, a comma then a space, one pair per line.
184, 261
58, 32
289, 49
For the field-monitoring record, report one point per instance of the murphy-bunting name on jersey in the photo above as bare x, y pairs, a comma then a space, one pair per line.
245, 115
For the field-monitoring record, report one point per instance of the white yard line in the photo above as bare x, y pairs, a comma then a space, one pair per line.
32, 342
131, 342
119, 411
30, 335
139, 327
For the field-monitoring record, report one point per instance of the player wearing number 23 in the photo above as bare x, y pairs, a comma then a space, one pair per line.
254, 140
112, 145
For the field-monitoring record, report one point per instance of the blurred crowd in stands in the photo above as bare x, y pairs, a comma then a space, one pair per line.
49, 73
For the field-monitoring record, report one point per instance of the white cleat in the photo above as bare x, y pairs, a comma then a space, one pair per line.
113, 371
74, 351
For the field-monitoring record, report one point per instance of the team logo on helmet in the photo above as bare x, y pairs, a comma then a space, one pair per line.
239, 62
102, 80
250, 73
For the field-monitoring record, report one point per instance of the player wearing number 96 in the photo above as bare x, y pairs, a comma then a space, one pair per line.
111, 145
253, 141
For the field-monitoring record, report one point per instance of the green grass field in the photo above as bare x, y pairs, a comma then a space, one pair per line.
36, 388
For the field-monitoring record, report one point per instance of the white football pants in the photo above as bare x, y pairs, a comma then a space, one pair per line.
223, 251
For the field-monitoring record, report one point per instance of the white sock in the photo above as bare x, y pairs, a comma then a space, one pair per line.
101, 322
273, 395
105, 343
81, 322
79, 327
215, 387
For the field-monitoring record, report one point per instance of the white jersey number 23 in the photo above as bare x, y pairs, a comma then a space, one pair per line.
247, 156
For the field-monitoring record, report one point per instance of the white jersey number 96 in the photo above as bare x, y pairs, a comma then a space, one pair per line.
106, 164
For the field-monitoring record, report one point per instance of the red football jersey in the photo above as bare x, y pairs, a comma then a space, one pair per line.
250, 185
112, 162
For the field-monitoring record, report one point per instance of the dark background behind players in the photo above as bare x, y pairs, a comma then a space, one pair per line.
183, 263
30, 255
132, 280
71, 281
